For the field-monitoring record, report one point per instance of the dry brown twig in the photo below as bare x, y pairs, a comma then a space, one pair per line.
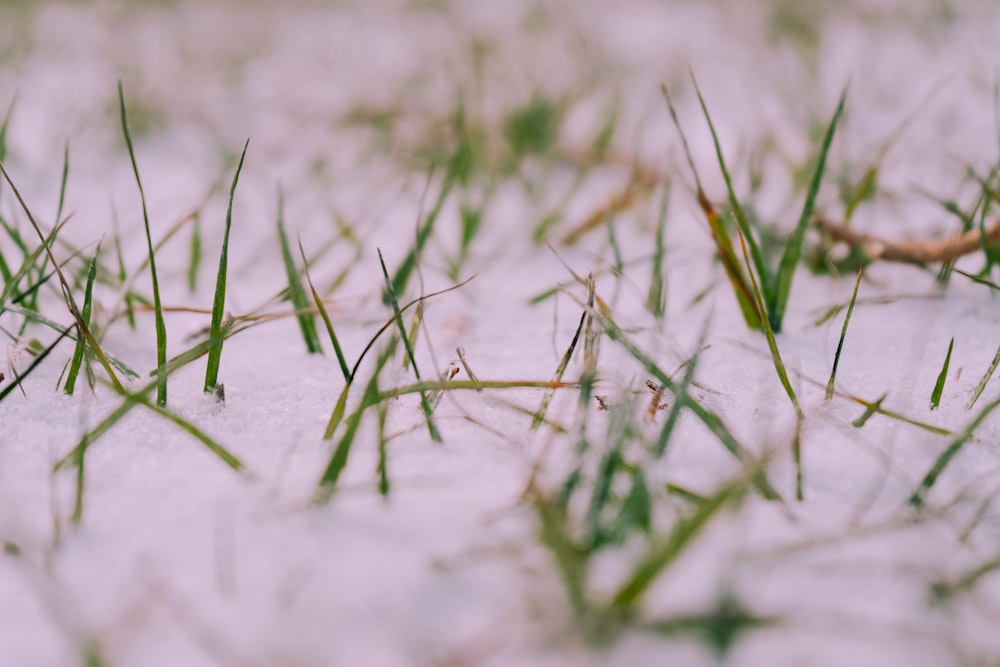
912, 252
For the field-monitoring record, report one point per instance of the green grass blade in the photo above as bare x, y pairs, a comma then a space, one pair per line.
216, 336
831, 383
161, 327
571, 560
793, 246
296, 293
321, 307
942, 377
772, 344
424, 231
194, 258
723, 244
661, 555
3, 129
77, 361
338, 460
920, 494
779, 366
734, 203
984, 381
424, 404
711, 420
539, 416
656, 301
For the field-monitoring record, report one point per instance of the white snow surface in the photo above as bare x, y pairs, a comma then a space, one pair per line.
178, 560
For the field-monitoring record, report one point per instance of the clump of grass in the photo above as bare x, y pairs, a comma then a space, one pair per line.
775, 286
216, 335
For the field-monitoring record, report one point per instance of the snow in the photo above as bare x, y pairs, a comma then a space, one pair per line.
180, 561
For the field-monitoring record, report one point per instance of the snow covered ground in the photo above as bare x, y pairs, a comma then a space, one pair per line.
355, 111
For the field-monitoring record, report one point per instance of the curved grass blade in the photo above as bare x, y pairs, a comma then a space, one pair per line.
161, 327
398, 316
321, 307
216, 335
778, 297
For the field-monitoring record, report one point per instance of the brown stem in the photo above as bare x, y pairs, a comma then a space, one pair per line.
912, 252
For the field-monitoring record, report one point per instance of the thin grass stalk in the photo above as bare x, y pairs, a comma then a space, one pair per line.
920, 494
831, 383
321, 307
424, 231
161, 327
296, 292
778, 297
77, 360
216, 335
734, 203
656, 301
424, 403
977, 392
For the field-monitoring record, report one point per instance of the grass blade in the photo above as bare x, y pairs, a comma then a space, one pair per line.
161, 327
778, 298
194, 260
737, 209
216, 335
919, 496
77, 361
984, 381
831, 383
656, 302
321, 307
402, 275
296, 293
685, 531
720, 236
942, 377
424, 404
34, 364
